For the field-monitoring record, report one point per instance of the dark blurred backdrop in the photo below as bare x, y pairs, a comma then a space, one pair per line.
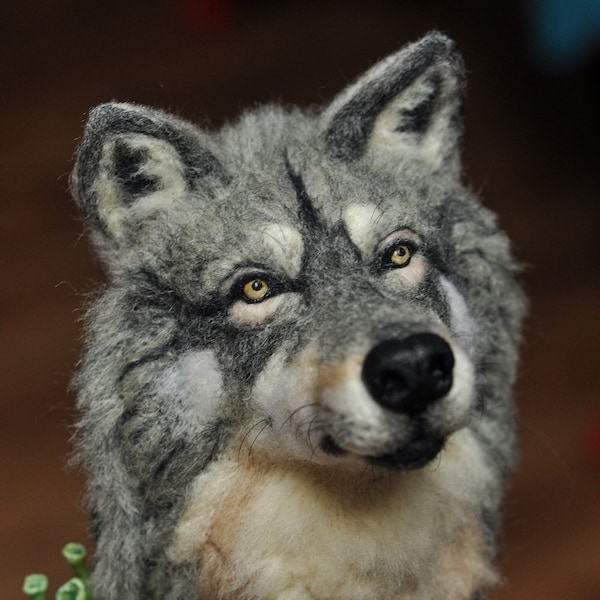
531, 148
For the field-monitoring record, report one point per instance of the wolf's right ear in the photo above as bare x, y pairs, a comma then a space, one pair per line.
133, 162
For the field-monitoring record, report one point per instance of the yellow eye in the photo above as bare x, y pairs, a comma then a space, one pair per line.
401, 255
256, 290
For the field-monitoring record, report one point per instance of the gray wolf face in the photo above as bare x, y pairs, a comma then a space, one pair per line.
315, 292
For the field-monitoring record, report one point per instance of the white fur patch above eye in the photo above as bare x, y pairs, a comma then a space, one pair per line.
285, 245
360, 220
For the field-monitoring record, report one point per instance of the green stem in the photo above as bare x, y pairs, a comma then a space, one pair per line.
75, 555
35, 586
74, 589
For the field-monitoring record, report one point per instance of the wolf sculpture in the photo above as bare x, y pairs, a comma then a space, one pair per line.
297, 382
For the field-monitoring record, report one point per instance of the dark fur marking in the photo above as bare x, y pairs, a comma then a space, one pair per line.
307, 212
95, 526
417, 119
421, 450
127, 163
151, 356
329, 446
157, 487
342, 231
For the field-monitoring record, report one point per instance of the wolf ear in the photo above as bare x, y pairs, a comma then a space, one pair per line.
410, 104
134, 161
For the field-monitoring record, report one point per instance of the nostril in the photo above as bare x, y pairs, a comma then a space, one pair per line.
407, 375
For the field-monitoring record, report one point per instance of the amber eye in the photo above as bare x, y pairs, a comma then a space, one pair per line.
256, 290
401, 255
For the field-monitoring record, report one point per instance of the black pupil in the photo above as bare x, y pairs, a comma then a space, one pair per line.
401, 251
257, 285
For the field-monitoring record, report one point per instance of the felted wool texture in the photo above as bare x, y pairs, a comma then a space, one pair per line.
204, 410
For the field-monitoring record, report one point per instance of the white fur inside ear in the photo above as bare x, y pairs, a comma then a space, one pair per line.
387, 130
161, 163
164, 164
435, 144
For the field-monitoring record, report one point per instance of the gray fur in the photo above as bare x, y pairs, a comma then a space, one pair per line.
173, 211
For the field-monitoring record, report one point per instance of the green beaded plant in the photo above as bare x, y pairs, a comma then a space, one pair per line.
35, 586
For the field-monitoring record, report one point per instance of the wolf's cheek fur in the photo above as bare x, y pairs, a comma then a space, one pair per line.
284, 393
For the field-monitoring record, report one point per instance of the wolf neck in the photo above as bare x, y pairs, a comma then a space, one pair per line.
279, 531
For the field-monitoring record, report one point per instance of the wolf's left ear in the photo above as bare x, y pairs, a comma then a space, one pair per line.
410, 104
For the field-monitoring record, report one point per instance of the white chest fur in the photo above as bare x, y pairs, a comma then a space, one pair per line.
278, 531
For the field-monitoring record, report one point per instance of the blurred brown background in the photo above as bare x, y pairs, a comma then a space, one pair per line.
531, 148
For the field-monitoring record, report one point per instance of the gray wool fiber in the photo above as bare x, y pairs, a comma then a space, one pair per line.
297, 382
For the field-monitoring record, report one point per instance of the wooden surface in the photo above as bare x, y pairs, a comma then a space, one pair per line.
531, 148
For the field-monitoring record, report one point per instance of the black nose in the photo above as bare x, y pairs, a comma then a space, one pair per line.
407, 375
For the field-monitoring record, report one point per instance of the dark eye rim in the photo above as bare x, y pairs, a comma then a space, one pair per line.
277, 285
385, 262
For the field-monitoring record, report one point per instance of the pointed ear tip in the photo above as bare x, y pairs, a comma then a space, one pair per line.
440, 42
108, 110
440, 36
113, 118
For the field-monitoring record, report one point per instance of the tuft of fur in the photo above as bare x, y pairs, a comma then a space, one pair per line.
297, 382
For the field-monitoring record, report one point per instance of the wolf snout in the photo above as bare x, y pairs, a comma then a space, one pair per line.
407, 375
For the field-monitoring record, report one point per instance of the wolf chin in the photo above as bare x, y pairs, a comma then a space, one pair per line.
297, 381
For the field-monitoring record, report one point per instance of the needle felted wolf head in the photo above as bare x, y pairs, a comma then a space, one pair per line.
297, 381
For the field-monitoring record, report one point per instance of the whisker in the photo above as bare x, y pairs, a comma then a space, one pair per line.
295, 412
266, 422
314, 421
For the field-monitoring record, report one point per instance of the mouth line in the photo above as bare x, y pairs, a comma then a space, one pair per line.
415, 454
